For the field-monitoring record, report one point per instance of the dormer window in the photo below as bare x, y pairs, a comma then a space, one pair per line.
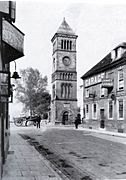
113, 55
118, 52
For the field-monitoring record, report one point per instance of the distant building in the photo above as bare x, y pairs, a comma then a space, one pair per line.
105, 92
64, 75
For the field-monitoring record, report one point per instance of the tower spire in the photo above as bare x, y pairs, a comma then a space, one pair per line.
65, 28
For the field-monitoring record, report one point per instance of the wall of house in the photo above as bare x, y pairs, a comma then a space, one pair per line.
112, 124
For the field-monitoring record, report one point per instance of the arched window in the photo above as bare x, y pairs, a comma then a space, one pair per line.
71, 76
60, 75
67, 44
62, 90
61, 44
70, 45
68, 76
64, 44
63, 75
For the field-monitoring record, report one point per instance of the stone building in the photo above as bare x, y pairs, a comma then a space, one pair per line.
64, 75
105, 92
11, 48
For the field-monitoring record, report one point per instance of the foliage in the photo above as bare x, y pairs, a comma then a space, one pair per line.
31, 91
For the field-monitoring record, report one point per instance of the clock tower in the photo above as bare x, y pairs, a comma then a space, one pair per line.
64, 76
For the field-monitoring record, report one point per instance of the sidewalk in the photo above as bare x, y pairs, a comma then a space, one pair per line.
100, 130
103, 131
25, 163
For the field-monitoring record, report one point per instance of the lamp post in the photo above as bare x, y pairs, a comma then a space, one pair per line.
15, 74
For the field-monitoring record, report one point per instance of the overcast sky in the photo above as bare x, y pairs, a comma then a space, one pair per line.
99, 26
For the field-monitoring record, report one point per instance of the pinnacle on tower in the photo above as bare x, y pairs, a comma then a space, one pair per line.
65, 28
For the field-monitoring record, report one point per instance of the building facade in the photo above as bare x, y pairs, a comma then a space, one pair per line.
64, 75
104, 94
11, 48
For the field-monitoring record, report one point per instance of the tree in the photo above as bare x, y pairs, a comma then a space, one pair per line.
31, 91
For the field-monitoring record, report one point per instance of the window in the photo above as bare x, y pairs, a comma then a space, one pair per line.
54, 63
54, 93
120, 109
62, 89
94, 113
111, 75
87, 93
110, 110
61, 44
70, 45
66, 44
87, 111
102, 92
66, 90
120, 80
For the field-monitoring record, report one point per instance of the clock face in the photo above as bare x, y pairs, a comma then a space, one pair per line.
66, 61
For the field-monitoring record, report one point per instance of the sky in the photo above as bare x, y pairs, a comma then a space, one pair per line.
100, 26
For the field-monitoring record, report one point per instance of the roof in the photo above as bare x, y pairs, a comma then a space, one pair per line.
123, 44
106, 63
65, 28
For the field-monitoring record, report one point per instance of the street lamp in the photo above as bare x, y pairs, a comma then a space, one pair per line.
15, 74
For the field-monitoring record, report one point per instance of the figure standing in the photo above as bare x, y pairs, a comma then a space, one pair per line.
38, 120
77, 121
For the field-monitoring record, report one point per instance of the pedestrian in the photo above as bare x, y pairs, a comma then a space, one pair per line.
38, 120
77, 121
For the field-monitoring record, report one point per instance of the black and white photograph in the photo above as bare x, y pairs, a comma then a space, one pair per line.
63, 90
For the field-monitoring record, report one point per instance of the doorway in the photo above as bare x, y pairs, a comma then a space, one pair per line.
65, 117
102, 118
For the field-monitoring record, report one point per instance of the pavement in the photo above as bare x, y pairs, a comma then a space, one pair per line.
25, 163
100, 130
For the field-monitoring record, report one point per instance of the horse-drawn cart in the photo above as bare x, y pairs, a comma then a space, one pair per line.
20, 121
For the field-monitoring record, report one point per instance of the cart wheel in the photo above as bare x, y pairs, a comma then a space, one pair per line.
18, 122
